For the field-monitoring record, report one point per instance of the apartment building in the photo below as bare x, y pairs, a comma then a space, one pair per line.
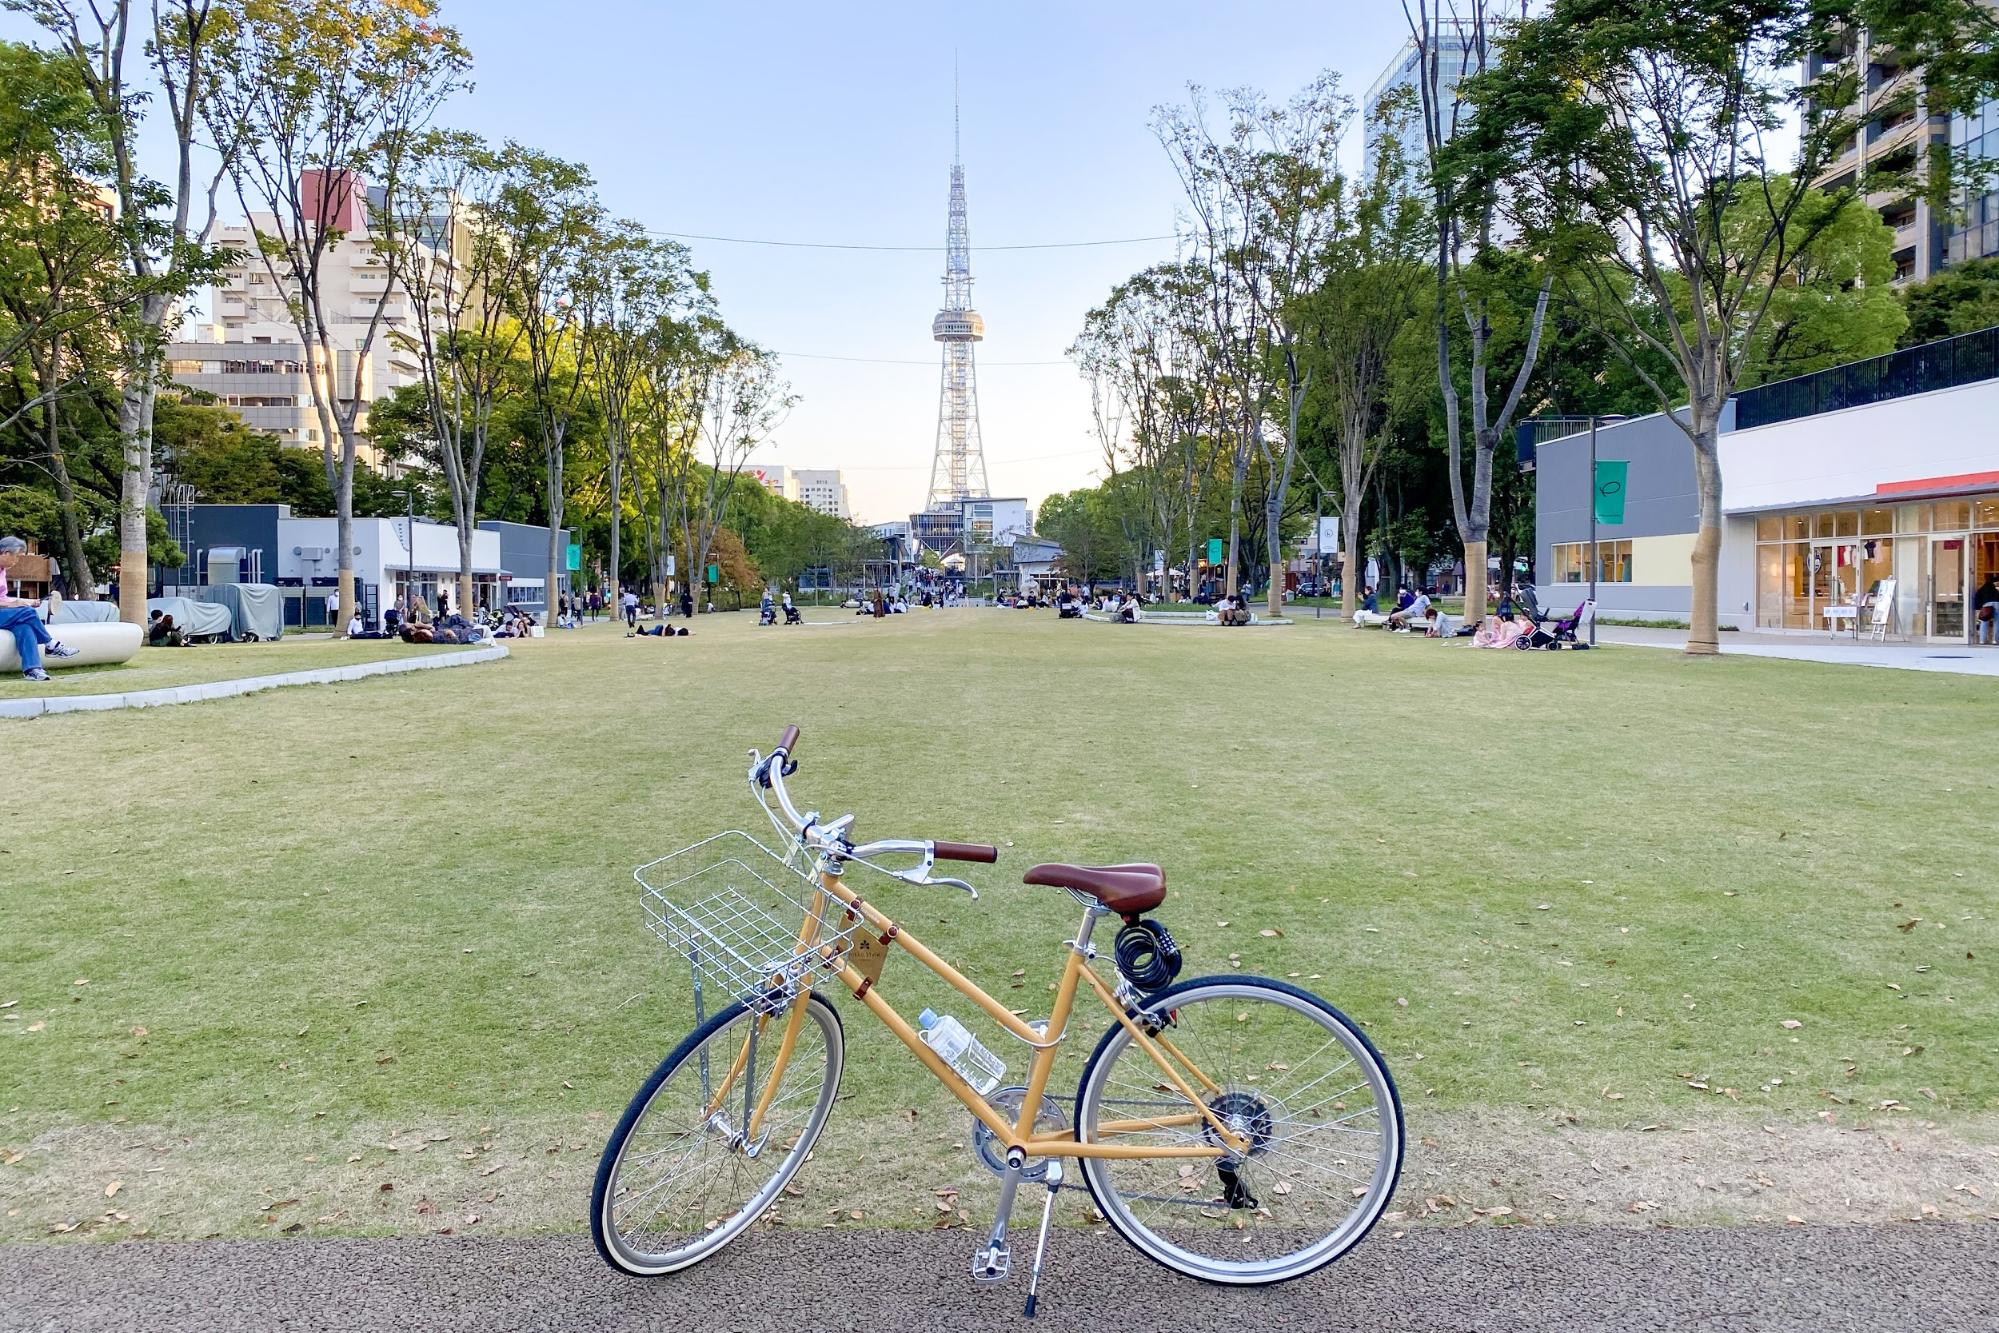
1897, 133
249, 354
821, 489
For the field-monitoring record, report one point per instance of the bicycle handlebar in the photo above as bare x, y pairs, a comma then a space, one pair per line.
965, 851
771, 770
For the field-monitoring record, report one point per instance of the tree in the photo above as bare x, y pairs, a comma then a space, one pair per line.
1840, 304
325, 93
1633, 138
554, 229
448, 227
1464, 203
1964, 298
742, 398
632, 288
1259, 195
1371, 277
184, 46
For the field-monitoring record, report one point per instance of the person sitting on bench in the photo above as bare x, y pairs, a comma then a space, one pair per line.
19, 615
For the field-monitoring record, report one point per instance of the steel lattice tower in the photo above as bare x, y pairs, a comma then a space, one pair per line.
959, 470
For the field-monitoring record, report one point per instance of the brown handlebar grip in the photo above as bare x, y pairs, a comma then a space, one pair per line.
789, 741
965, 851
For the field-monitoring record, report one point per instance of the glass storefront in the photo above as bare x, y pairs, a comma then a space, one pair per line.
1937, 553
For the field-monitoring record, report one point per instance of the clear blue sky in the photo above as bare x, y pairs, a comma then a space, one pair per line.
798, 121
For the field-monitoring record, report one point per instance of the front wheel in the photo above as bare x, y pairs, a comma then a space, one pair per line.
682, 1176
1294, 1079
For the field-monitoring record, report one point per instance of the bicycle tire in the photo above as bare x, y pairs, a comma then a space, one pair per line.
603, 1194
1107, 1195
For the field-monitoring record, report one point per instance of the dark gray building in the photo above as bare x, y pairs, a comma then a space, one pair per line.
1642, 563
524, 563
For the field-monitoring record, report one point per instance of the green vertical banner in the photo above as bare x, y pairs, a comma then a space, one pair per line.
714, 573
1610, 490
1214, 550
575, 556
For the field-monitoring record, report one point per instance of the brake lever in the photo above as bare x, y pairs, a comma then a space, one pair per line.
956, 884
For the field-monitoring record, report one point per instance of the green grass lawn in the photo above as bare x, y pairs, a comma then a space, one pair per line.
267, 957
160, 668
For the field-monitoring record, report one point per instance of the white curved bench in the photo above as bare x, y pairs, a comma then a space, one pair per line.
103, 643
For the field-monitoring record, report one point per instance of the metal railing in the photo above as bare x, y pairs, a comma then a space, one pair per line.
1945, 364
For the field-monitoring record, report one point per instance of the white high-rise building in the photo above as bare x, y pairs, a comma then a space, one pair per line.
821, 489
1403, 78
249, 355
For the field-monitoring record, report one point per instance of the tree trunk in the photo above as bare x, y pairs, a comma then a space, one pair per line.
343, 521
1273, 540
1702, 638
82, 586
465, 603
135, 428
617, 513
1351, 567
557, 563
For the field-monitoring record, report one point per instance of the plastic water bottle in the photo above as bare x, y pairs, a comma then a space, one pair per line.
961, 1050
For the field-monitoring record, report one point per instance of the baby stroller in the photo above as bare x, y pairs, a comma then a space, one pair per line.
766, 614
1556, 631
791, 616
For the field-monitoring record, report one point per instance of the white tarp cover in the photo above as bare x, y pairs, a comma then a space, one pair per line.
194, 619
85, 613
255, 609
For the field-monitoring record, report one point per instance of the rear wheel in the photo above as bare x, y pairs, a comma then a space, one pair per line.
680, 1177
1287, 1073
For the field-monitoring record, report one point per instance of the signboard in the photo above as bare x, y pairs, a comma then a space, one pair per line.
575, 557
714, 573
1329, 533
1610, 490
1214, 550
1159, 562
670, 570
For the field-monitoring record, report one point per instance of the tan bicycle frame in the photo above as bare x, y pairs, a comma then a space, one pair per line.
1018, 1135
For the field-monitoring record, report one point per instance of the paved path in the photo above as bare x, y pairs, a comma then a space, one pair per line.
1938, 1278
1956, 658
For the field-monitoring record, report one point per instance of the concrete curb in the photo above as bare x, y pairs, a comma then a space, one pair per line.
224, 689
1190, 618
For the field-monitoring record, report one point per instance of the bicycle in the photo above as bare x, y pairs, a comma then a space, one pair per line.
1236, 1129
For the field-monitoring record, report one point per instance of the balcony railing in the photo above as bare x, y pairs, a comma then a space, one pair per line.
1946, 364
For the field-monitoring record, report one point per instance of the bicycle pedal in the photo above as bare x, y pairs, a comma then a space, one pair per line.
991, 1264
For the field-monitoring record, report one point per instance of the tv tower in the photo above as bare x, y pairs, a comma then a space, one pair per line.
959, 470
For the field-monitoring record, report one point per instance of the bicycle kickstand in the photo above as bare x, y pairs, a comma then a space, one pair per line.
1041, 1242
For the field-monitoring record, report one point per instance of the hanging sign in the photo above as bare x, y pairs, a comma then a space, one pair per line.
1610, 475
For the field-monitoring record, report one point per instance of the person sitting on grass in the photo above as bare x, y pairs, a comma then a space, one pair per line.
1403, 617
19, 615
161, 632
1127, 610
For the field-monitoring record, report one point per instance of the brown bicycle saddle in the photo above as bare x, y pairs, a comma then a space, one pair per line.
1126, 890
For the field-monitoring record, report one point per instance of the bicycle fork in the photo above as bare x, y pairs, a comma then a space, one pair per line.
992, 1262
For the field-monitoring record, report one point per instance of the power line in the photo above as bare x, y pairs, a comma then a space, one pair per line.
889, 361
923, 249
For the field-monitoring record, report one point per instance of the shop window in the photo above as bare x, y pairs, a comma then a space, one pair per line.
1953, 515
1797, 526
1877, 522
1846, 523
1912, 518
1985, 513
1613, 562
1769, 528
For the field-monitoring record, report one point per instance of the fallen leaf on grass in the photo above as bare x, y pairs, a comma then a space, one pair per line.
1791, 1023
111, 1190
1271, 934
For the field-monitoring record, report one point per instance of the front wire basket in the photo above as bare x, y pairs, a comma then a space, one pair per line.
737, 911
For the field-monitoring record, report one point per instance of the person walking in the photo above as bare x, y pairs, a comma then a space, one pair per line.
19, 615
687, 603
631, 609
